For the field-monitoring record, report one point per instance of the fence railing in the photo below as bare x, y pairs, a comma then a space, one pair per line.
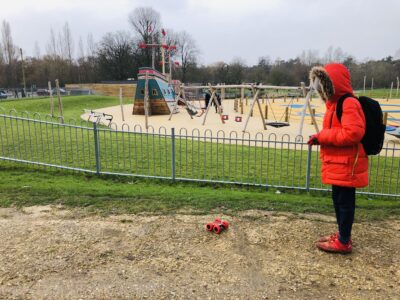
217, 157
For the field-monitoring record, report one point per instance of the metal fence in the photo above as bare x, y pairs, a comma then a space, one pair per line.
200, 156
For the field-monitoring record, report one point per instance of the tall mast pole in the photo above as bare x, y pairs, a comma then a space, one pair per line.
23, 70
153, 52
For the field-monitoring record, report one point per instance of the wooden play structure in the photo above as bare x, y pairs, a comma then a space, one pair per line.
255, 92
156, 95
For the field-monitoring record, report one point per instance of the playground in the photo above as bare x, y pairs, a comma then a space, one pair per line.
275, 110
67, 254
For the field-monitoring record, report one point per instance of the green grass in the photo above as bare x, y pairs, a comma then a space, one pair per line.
25, 186
144, 154
378, 93
73, 106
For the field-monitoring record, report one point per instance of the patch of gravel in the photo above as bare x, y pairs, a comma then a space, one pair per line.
50, 253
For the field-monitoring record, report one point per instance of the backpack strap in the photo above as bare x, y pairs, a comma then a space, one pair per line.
339, 105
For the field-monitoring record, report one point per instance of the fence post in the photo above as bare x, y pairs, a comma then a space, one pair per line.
173, 152
308, 171
96, 148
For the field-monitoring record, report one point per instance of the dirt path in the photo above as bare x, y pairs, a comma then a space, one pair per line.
51, 253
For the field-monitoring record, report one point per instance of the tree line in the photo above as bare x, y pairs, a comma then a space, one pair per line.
119, 55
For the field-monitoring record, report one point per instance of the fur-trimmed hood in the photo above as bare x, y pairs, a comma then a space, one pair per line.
334, 81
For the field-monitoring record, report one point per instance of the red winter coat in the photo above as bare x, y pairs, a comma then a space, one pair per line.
344, 162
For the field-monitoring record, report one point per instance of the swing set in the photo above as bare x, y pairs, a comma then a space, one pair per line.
255, 89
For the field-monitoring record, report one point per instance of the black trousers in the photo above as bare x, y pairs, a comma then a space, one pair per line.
344, 201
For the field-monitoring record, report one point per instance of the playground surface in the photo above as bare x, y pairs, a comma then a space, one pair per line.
276, 112
57, 253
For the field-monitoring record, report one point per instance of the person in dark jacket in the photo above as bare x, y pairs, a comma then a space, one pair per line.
207, 98
218, 100
344, 161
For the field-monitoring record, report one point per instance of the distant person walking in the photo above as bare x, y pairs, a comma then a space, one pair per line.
344, 161
16, 93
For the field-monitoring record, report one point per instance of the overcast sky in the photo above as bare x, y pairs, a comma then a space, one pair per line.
224, 29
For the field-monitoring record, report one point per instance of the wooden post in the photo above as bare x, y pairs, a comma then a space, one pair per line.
385, 118
391, 90
273, 99
60, 106
146, 100
365, 80
287, 114
51, 99
266, 111
284, 99
241, 107
247, 102
120, 103
313, 116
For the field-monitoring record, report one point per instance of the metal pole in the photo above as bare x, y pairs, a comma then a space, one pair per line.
23, 70
173, 153
51, 99
60, 106
308, 170
398, 85
120, 102
96, 148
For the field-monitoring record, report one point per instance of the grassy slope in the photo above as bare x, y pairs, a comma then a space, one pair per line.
379, 93
25, 187
73, 105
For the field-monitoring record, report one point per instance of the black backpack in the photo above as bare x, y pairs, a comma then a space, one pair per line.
375, 130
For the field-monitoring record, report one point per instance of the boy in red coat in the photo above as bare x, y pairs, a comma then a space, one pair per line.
344, 161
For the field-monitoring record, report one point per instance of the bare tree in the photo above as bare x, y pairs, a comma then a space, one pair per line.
9, 49
90, 46
187, 51
36, 50
52, 45
68, 42
146, 23
81, 51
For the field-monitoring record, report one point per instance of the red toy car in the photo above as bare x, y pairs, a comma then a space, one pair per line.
217, 226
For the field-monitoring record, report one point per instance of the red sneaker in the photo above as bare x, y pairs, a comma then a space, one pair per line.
327, 238
335, 246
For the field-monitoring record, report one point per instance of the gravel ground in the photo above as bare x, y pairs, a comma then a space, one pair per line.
55, 253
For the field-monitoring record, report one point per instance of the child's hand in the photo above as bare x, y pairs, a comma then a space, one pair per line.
313, 140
